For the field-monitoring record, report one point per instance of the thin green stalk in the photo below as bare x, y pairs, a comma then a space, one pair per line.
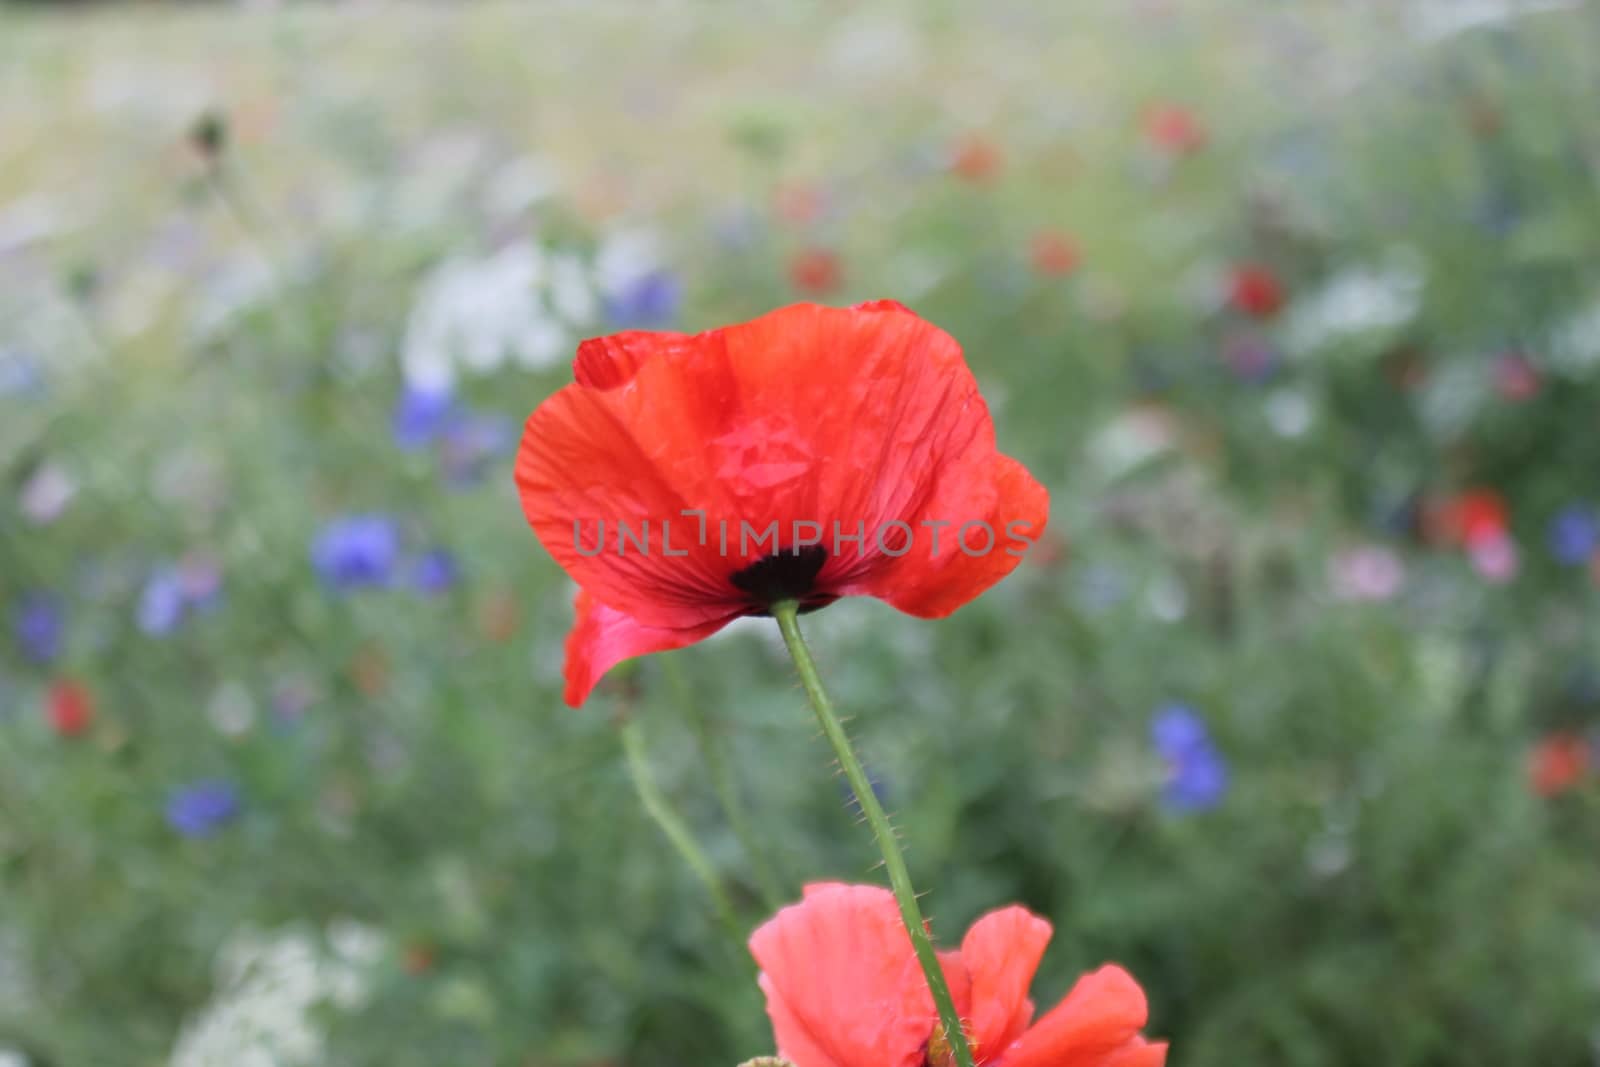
656, 806
787, 614
722, 781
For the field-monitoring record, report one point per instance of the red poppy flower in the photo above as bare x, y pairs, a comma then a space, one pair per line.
811, 454
1174, 129
1256, 291
1471, 519
1558, 763
844, 989
69, 708
814, 270
1053, 254
976, 158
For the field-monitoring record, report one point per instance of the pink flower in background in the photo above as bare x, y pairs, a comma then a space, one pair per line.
1367, 573
1496, 560
1515, 377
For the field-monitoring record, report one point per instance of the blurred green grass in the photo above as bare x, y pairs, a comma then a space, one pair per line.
219, 355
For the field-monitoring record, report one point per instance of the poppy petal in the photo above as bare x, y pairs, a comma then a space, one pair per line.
612, 361
833, 968
1001, 952
915, 1005
1091, 1027
1140, 1053
603, 637
596, 489
847, 415
793, 1037
896, 439
985, 514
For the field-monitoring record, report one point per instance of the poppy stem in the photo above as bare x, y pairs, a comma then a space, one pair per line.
656, 806
787, 614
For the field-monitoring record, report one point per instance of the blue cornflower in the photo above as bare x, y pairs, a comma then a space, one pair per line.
172, 592
434, 572
651, 299
39, 624
356, 551
203, 808
421, 416
1197, 773
162, 602
1575, 535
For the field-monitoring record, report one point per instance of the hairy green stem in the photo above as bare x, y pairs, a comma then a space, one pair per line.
677, 832
787, 614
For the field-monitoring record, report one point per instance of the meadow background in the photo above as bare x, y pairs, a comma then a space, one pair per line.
1295, 308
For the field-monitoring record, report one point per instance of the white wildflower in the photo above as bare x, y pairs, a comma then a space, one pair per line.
518, 305
1356, 302
1290, 412
1575, 348
268, 984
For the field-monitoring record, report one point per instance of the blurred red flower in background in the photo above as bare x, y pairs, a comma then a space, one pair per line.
814, 271
1470, 519
1174, 129
1256, 291
844, 990
69, 708
976, 158
860, 420
1053, 253
1558, 763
